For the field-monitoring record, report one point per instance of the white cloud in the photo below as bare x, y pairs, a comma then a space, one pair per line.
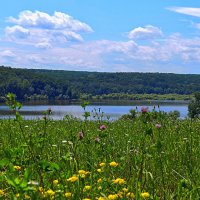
60, 21
147, 32
186, 10
17, 32
42, 30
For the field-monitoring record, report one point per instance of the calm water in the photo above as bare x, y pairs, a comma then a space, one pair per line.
109, 111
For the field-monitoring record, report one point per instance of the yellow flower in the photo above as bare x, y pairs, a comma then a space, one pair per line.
86, 199
99, 180
99, 188
120, 194
50, 192
2, 192
55, 182
125, 189
130, 194
68, 194
101, 198
100, 170
86, 188
113, 164
112, 196
102, 164
83, 173
120, 181
27, 196
17, 195
72, 179
145, 195
18, 168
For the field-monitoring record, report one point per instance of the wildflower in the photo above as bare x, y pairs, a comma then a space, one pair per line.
2, 192
102, 127
50, 192
18, 168
86, 199
119, 181
27, 196
101, 198
130, 194
17, 195
102, 164
144, 109
125, 189
120, 194
112, 196
73, 179
86, 188
158, 126
100, 170
81, 135
41, 189
97, 139
55, 182
68, 194
99, 188
99, 180
64, 141
145, 195
113, 164
33, 183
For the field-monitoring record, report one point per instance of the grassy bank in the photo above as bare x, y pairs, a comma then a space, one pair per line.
152, 156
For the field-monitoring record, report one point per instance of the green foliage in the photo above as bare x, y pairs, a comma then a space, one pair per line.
153, 154
194, 106
68, 85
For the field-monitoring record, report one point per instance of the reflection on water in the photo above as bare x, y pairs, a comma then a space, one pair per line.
35, 111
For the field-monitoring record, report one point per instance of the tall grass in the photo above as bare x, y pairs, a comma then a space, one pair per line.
150, 156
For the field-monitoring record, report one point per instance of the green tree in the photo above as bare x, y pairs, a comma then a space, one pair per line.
194, 106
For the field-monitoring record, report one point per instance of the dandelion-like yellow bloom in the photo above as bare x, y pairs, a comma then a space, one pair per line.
80, 172
72, 179
130, 194
145, 195
125, 189
101, 198
86, 199
99, 188
100, 170
112, 196
18, 168
86, 188
119, 181
113, 164
68, 194
55, 182
2, 192
102, 164
120, 194
27, 196
50, 192
100, 180
17, 195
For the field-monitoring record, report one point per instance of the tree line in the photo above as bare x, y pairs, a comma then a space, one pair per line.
59, 84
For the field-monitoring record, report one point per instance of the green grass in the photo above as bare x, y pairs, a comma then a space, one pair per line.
161, 161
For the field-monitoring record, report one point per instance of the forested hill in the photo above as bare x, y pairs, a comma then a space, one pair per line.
58, 84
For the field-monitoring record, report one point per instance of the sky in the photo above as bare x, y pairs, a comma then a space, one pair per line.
101, 35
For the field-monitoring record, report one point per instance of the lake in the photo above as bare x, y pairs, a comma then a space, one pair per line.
108, 110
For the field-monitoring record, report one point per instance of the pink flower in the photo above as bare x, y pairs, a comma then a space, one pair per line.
144, 109
102, 127
158, 126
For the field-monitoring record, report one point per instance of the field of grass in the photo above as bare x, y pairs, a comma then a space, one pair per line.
149, 156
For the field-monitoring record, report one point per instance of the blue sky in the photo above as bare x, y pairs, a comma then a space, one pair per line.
101, 35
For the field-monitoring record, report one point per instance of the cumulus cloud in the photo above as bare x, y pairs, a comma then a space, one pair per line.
147, 32
44, 31
186, 10
17, 32
43, 20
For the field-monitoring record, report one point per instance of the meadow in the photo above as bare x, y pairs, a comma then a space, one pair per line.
145, 155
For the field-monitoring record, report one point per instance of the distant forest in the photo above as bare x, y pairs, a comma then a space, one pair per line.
68, 85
